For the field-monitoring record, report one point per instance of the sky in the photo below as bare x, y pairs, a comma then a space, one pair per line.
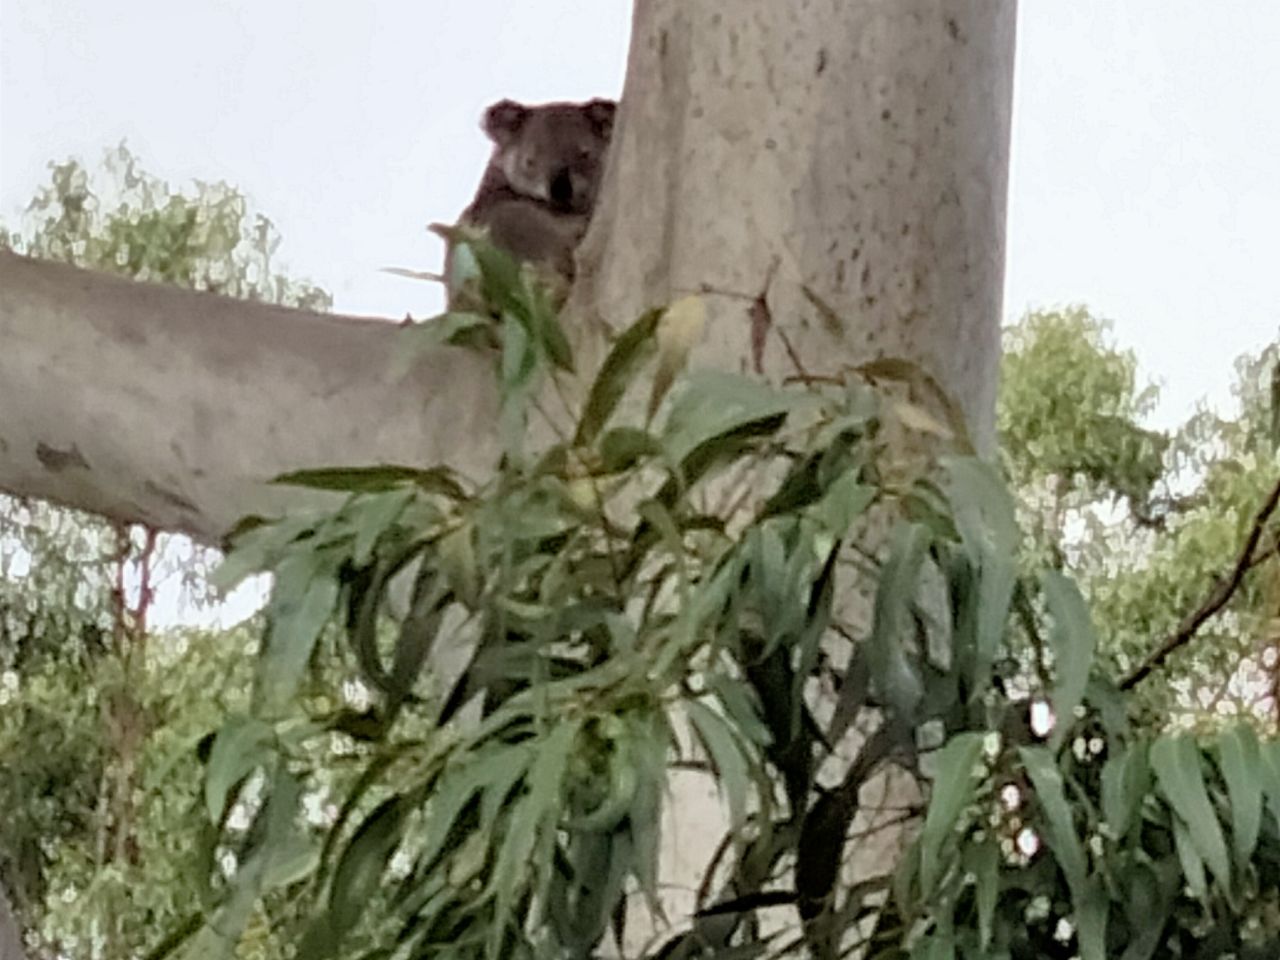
1145, 172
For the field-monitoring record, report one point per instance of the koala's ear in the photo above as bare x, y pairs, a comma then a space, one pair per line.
601, 114
503, 120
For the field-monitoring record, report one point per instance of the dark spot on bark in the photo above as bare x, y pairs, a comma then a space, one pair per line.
56, 461
662, 44
170, 497
866, 275
906, 229
770, 143
953, 28
886, 114
853, 257
822, 60
761, 321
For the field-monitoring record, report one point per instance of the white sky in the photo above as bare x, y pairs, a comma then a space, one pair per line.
1146, 144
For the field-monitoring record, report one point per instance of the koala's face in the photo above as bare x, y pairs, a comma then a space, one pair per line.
554, 152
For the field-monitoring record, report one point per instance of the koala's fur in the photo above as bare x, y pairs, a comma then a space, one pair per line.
538, 192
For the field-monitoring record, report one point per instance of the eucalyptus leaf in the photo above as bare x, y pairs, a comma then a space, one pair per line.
1176, 761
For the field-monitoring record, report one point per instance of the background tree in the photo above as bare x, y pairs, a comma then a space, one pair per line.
102, 711
1148, 521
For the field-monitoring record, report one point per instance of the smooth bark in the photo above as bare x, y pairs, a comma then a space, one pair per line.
173, 408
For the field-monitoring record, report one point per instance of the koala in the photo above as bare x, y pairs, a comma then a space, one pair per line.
540, 187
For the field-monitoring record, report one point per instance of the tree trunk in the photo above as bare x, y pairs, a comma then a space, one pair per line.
173, 408
858, 150
832, 176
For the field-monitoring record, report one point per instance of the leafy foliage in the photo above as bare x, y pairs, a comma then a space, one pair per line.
749, 581
101, 715
1070, 414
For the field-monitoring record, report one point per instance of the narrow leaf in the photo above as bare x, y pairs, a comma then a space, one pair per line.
726, 756
629, 352
1059, 827
1073, 642
1239, 760
953, 790
1176, 762
241, 746
892, 673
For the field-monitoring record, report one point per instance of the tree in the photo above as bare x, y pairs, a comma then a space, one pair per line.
1146, 520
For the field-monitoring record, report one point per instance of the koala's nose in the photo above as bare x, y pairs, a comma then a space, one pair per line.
562, 190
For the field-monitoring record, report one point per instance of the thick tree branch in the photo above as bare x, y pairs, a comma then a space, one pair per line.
165, 406
1223, 590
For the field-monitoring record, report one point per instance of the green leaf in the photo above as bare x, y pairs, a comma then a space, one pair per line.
1239, 760
374, 517
1269, 774
894, 677
936, 946
629, 353
457, 557
1147, 894
532, 824
622, 448
712, 405
278, 817
845, 501
256, 548
984, 510
1189, 857
490, 772
1059, 826
376, 479
242, 745
302, 604
984, 515
1091, 920
1176, 761
983, 861
358, 874
1125, 781
954, 786
731, 765
1073, 644
741, 707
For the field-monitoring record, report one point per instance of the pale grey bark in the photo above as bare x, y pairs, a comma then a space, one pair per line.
154, 404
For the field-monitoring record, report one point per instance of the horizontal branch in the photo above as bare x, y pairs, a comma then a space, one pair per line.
152, 404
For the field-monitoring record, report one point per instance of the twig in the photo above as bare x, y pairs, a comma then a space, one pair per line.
1222, 592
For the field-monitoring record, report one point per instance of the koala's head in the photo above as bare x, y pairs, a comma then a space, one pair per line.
553, 152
